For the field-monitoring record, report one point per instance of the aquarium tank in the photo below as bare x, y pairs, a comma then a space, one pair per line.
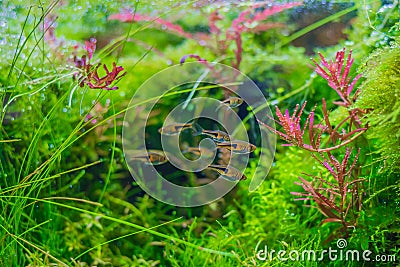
199, 133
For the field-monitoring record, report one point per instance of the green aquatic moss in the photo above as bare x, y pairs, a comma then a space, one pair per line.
379, 94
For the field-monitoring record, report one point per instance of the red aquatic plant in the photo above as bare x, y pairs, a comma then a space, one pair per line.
337, 74
293, 132
127, 16
199, 59
89, 74
220, 40
296, 135
333, 197
337, 136
225, 40
250, 20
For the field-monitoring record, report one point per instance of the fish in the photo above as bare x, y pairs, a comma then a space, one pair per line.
237, 146
154, 157
228, 172
174, 129
216, 135
199, 151
232, 102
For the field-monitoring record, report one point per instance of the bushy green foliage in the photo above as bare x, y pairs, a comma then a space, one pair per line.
380, 94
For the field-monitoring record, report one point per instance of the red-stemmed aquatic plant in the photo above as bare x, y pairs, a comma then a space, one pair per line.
334, 198
220, 40
89, 74
128, 16
336, 194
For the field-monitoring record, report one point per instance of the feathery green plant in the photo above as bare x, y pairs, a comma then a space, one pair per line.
380, 94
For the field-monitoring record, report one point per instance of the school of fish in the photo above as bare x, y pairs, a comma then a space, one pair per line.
221, 139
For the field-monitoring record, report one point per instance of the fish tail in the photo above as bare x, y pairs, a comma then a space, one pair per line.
197, 129
140, 157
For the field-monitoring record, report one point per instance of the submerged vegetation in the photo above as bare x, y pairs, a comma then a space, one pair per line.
70, 68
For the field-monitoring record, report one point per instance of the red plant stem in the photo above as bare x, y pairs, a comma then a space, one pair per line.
328, 149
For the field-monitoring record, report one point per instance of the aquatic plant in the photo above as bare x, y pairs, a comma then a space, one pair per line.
220, 39
379, 93
334, 197
89, 73
128, 16
66, 196
337, 74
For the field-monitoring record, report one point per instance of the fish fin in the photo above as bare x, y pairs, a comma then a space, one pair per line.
224, 103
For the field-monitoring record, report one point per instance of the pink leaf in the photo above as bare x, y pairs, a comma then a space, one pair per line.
183, 59
329, 168
128, 17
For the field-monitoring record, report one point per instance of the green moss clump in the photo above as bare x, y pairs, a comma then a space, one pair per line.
380, 93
